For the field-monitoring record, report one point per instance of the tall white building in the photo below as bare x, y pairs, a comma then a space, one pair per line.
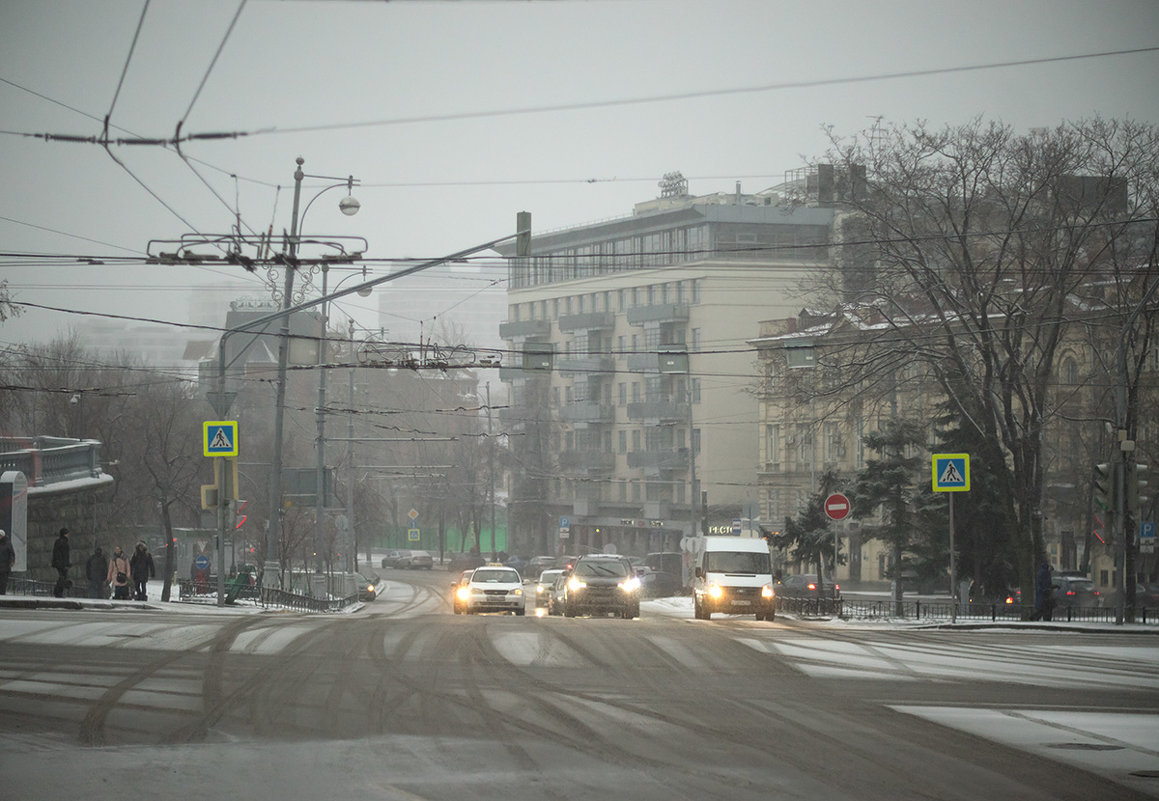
633, 417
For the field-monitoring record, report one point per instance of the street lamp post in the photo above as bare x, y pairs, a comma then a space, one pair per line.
348, 206
319, 501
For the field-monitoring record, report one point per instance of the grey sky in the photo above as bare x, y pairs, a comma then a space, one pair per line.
302, 77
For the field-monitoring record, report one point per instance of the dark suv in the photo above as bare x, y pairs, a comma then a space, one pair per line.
602, 583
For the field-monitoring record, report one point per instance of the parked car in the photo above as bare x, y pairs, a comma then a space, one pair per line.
544, 585
1075, 591
460, 591
1146, 597
599, 584
493, 589
417, 560
393, 558
806, 585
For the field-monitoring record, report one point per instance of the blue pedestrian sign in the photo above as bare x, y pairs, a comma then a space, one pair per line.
951, 472
220, 438
201, 562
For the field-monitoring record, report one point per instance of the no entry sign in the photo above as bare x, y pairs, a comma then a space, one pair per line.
837, 506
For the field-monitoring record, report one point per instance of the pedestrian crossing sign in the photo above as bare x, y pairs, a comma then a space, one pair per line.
220, 438
951, 472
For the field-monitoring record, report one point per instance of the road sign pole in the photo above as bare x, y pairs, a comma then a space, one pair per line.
953, 567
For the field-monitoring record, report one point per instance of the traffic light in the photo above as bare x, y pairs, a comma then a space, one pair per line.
1105, 487
1136, 486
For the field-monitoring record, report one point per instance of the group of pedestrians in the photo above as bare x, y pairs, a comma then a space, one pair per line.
128, 576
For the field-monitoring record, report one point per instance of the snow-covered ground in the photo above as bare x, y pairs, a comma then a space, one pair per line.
1118, 745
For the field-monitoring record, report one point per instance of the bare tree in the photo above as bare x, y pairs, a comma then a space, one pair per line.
980, 241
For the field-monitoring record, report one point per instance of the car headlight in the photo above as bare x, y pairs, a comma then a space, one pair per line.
575, 584
767, 591
715, 591
370, 588
540, 589
631, 585
517, 591
463, 593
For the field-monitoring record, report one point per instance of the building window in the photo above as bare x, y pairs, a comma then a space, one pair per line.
696, 290
635, 392
695, 340
635, 439
623, 489
1070, 372
621, 344
695, 441
623, 440
773, 446
622, 390
696, 390
555, 396
635, 490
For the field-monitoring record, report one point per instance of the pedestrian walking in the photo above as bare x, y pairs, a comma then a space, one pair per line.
60, 561
1043, 593
119, 574
141, 567
97, 571
7, 560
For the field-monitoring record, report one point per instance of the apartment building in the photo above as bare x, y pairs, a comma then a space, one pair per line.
633, 411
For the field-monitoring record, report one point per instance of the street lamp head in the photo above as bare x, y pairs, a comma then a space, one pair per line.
349, 206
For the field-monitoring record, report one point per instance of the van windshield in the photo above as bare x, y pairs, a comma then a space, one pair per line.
736, 562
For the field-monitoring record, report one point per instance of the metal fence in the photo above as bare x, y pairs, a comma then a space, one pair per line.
265, 597
941, 610
22, 585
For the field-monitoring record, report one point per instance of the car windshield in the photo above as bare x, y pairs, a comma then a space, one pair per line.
494, 576
548, 576
603, 567
736, 562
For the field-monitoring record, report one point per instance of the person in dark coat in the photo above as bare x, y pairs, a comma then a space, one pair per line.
60, 561
1043, 593
7, 560
96, 570
141, 568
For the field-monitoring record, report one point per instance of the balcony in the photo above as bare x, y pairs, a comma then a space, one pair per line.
592, 365
539, 329
655, 462
643, 363
663, 313
664, 411
591, 321
587, 413
591, 461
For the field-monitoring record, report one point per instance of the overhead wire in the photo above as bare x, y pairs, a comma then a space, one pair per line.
611, 103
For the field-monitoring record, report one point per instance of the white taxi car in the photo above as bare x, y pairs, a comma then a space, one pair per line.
492, 589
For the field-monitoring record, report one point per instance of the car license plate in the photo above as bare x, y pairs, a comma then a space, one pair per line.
742, 603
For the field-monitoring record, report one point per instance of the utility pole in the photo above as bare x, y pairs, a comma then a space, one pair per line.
273, 564
491, 468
